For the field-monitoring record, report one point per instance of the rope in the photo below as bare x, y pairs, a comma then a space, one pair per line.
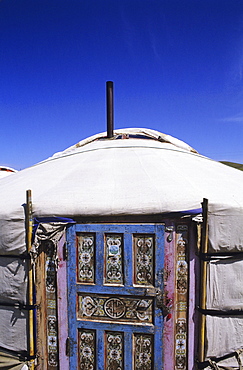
213, 365
213, 362
237, 355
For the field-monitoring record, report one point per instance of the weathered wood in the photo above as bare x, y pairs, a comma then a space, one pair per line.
203, 282
41, 312
29, 227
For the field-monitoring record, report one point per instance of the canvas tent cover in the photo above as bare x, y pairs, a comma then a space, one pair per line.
137, 172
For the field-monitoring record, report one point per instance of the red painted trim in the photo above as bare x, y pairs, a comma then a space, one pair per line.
169, 277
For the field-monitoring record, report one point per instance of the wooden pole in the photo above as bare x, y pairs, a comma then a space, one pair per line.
203, 282
29, 228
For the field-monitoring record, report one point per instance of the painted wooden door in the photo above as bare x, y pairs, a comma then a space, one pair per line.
115, 278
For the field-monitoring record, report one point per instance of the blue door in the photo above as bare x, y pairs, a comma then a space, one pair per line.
115, 278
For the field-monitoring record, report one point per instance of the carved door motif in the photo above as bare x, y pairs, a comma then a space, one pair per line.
114, 296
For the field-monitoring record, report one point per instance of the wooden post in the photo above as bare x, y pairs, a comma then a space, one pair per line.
29, 227
203, 282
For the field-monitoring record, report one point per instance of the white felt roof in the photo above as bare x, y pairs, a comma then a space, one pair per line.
118, 177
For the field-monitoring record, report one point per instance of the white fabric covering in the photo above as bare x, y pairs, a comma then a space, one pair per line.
226, 226
225, 285
13, 277
224, 292
152, 134
13, 334
224, 335
13, 289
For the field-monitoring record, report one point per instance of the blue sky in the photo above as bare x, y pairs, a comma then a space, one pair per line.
177, 67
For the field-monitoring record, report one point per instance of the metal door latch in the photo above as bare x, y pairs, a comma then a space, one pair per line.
161, 300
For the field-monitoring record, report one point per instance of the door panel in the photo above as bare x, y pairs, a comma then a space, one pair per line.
115, 282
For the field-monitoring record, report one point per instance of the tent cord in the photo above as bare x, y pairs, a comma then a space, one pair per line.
24, 256
212, 312
213, 362
19, 305
213, 256
213, 365
237, 355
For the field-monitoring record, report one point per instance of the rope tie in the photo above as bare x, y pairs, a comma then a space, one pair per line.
237, 355
213, 365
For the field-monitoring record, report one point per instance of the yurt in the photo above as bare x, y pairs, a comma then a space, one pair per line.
126, 254
123, 251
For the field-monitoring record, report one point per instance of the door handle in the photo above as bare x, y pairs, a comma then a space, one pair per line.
161, 303
161, 300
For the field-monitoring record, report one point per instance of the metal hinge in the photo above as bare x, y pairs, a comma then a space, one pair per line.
68, 347
161, 299
169, 230
65, 252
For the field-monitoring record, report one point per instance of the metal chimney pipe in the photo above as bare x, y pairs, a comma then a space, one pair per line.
110, 109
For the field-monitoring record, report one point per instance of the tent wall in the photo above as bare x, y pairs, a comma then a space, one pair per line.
13, 294
225, 228
224, 304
